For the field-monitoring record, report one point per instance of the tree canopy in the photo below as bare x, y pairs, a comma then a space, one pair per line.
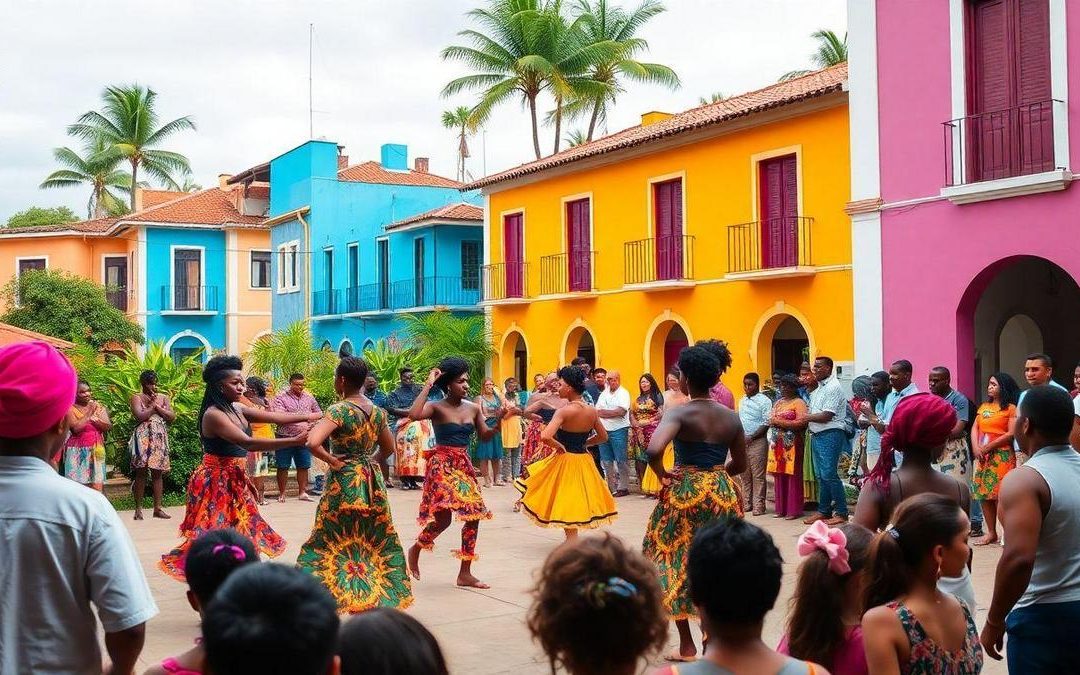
42, 215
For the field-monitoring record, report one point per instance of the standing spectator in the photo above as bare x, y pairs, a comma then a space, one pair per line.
719, 392
827, 442
538, 383
63, 547
613, 405
413, 438
861, 392
378, 398
149, 444
258, 463
592, 391
599, 378
1037, 585
489, 452
991, 441
1074, 437
674, 397
84, 451
295, 400
645, 412
806, 380
901, 387
787, 436
754, 411
954, 459
873, 409
511, 431
1039, 372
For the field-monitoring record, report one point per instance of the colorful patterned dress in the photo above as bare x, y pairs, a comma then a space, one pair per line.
149, 445
535, 450
450, 485
785, 458
700, 493
354, 549
928, 657
991, 422
414, 439
84, 454
645, 414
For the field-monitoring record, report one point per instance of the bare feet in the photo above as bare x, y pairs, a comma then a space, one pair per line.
281, 498
161, 514
304, 497
679, 657
986, 539
413, 561
138, 515
467, 580
517, 506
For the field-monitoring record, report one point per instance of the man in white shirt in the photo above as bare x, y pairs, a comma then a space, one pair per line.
827, 442
613, 406
754, 411
62, 546
1038, 371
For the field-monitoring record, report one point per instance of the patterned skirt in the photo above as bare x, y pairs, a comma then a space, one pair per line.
532, 449
639, 442
149, 445
219, 497
354, 549
694, 499
413, 440
990, 470
954, 460
565, 490
450, 485
650, 483
85, 465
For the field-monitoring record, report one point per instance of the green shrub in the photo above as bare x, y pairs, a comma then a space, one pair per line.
292, 350
386, 358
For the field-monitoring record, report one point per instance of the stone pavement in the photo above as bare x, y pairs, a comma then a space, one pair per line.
480, 631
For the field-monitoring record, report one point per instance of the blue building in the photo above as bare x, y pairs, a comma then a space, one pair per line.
356, 247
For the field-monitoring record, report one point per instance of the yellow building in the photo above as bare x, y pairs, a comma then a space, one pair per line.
724, 221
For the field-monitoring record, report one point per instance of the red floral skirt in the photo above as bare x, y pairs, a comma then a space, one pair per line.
450, 485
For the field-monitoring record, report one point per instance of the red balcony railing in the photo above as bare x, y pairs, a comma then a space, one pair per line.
1006, 143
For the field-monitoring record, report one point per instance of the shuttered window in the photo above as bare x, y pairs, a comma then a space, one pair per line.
779, 192
514, 254
579, 245
668, 205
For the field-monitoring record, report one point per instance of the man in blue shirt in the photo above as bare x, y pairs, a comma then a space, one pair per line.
754, 411
902, 387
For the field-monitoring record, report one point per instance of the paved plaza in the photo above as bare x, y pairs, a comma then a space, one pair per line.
481, 631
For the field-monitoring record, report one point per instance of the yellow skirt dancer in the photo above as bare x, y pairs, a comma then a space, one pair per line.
565, 490
650, 484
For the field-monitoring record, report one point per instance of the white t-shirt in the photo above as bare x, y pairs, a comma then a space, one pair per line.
610, 400
1076, 405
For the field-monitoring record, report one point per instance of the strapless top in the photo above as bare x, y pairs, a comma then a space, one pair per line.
454, 434
573, 441
702, 454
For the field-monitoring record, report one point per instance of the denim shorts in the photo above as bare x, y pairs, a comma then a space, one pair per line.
298, 455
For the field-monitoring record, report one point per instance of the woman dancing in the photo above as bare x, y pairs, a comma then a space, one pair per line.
564, 489
450, 482
539, 410
149, 444
700, 490
354, 549
219, 492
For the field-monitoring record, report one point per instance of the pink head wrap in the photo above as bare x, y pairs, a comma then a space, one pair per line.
919, 421
821, 537
37, 388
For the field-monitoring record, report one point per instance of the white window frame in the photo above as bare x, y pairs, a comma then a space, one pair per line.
354, 281
251, 280
19, 259
283, 250
172, 278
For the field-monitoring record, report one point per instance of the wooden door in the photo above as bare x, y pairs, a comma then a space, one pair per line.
579, 245
779, 207
667, 199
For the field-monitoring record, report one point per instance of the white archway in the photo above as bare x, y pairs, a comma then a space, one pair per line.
188, 333
341, 348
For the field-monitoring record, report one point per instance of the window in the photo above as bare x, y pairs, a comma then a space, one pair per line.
668, 215
578, 240
187, 279
287, 266
514, 254
180, 353
470, 265
383, 248
115, 279
779, 210
353, 264
260, 269
30, 264
418, 272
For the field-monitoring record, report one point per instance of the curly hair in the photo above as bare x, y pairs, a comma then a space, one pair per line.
700, 367
597, 607
719, 349
573, 376
452, 367
213, 373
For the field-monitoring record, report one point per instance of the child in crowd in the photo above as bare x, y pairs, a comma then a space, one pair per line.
596, 609
385, 641
269, 619
211, 559
735, 571
826, 610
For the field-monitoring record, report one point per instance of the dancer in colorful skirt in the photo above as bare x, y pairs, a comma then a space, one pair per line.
564, 489
219, 492
354, 549
84, 451
149, 443
539, 410
673, 398
710, 448
450, 486
645, 412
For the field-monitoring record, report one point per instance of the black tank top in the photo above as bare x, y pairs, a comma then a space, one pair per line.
700, 454
573, 441
453, 434
219, 447
546, 414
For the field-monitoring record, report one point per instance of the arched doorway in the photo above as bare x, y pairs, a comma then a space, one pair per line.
1015, 307
789, 347
346, 349
580, 342
515, 359
667, 336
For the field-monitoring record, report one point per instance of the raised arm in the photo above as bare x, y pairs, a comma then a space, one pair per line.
101, 418
140, 409
254, 414
422, 409
76, 423
483, 431
216, 424
164, 408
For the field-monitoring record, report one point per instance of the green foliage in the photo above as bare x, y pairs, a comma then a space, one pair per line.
292, 350
109, 185
386, 358
831, 50
36, 216
435, 335
68, 307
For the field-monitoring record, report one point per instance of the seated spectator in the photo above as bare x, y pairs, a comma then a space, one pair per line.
270, 619
596, 609
385, 641
210, 561
62, 546
735, 571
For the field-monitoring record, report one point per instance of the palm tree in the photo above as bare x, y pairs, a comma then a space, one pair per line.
128, 125
615, 26
107, 182
714, 97
190, 184
461, 119
435, 335
575, 138
831, 50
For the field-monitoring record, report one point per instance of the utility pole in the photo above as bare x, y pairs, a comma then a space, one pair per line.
311, 111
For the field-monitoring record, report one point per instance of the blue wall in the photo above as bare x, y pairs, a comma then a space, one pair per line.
159, 243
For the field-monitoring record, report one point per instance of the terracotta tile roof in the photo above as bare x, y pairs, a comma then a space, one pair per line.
819, 83
155, 197
258, 191
213, 206
459, 211
11, 335
97, 226
373, 172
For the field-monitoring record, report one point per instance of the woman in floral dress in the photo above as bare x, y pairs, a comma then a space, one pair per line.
149, 444
992, 443
84, 452
354, 549
785, 458
645, 411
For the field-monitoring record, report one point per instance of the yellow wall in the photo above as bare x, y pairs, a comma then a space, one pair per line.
253, 304
720, 189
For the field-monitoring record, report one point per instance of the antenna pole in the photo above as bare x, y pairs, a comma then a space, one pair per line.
311, 114
483, 149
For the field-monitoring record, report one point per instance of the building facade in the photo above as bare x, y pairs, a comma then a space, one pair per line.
357, 247
724, 221
962, 146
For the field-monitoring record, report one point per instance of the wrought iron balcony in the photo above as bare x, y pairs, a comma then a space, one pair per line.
189, 298
506, 281
1016, 141
327, 302
659, 259
770, 244
567, 272
400, 295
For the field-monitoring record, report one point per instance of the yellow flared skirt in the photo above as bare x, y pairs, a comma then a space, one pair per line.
650, 484
566, 491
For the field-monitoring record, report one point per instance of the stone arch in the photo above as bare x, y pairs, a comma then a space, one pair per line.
515, 357
573, 345
191, 336
765, 331
656, 351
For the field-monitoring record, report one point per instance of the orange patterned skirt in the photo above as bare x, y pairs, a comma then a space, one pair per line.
450, 485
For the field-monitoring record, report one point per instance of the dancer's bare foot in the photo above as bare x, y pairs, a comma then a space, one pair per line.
158, 513
467, 580
677, 656
985, 540
281, 498
413, 561
138, 515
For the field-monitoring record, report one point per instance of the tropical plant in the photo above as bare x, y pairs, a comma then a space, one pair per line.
128, 125
189, 184
436, 335
292, 350
714, 97
386, 358
109, 185
831, 50
575, 138
460, 119
67, 306
36, 216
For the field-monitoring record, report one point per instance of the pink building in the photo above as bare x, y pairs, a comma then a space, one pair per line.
966, 233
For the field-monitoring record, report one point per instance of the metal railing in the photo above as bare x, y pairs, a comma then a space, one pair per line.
189, 298
505, 281
1005, 143
567, 272
668, 258
326, 302
770, 244
396, 295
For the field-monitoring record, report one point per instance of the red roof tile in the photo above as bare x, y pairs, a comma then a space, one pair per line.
819, 83
155, 197
213, 206
97, 226
459, 211
373, 172
11, 335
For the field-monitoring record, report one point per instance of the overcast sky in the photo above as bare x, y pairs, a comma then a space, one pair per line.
240, 68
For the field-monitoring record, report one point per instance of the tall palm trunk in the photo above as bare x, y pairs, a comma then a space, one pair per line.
461, 155
593, 119
99, 206
134, 180
535, 131
558, 122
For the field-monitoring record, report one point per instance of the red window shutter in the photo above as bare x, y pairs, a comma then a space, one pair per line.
1035, 139
512, 254
578, 245
779, 208
990, 47
669, 229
